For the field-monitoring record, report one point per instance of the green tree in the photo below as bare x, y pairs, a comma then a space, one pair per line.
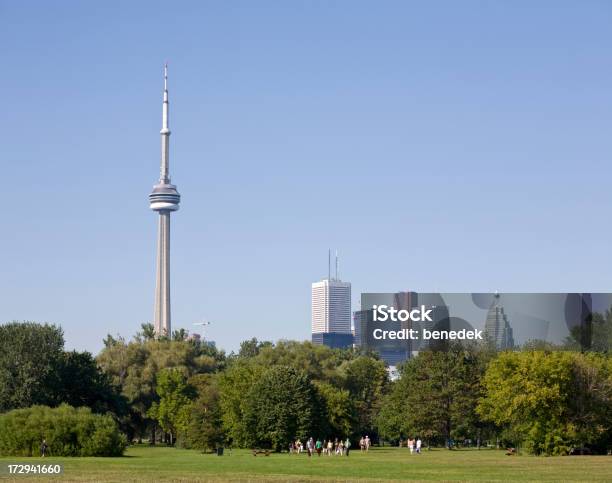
83, 383
324, 366
436, 395
34, 369
340, 410
366, 380
590, 406
252, 347
29, 356
128, 367
205, 428
133, 366
550, 401
147, 332
595, 335
391, 419
173, 410
319, 362
234, 384
282, 405
180, 334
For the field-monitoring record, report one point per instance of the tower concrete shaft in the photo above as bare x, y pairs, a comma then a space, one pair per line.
164, 199
162, 316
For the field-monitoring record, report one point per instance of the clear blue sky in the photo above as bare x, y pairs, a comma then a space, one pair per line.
440, 146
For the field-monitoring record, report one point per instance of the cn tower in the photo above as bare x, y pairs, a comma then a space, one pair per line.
164, 199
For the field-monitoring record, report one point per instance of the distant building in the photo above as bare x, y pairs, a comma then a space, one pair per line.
334, 340
392, 351
398, 351
440, 320
331, 313
497, 328
359, 328
194, 337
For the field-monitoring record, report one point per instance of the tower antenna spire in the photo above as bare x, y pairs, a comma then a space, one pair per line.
337, 277
164, 175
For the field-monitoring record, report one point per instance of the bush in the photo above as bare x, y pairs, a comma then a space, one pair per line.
68, 431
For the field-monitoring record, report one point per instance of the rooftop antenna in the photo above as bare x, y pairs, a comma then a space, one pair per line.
329, 264
337, 278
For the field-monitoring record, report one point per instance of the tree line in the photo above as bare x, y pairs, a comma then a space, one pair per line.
188, 393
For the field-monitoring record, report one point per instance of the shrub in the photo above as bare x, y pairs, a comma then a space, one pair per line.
68, 431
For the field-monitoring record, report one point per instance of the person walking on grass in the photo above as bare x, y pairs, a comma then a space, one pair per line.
367, 443
330, 447
318, 446
347, 446
418, 445
411, 445
43, 448
362, 443
310, 446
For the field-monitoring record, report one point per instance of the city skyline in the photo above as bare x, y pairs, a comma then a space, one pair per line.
426, 141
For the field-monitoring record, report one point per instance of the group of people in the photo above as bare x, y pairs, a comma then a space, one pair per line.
364, 443
326, 447
414, 445
336, 446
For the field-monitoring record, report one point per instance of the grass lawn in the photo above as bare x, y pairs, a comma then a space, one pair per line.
144, 463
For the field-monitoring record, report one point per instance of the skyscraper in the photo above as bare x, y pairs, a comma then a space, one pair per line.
392, 351
359, 327
331, 312
497, 328
164, 199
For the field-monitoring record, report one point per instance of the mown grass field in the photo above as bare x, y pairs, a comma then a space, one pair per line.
144, 463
